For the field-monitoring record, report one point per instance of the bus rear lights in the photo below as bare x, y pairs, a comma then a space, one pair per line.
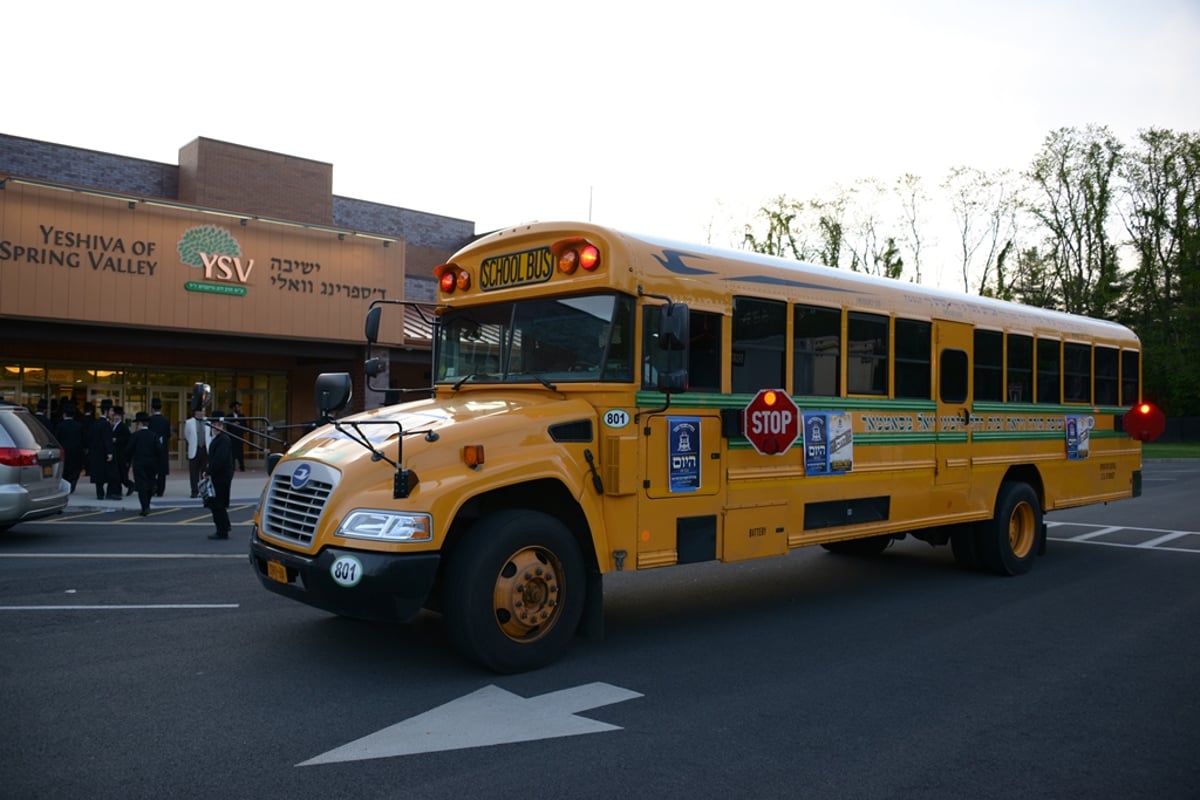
473, 455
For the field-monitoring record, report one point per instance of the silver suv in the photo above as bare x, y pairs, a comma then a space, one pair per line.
31, 465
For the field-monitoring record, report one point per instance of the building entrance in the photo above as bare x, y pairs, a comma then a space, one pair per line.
175, 400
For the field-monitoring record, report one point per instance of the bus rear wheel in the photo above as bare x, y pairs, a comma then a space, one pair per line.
1008, 543
515, 589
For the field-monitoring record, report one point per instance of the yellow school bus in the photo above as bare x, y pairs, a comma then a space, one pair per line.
607, 401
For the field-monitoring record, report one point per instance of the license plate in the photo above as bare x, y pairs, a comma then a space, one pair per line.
47, 470
277, 571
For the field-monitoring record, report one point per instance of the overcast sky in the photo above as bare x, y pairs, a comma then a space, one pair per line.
661, 117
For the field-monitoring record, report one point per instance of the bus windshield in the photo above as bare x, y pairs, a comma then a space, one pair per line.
561, 339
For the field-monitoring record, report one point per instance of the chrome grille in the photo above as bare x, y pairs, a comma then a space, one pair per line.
292, 514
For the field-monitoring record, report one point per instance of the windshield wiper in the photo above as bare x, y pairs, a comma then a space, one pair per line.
544, 382
458, 383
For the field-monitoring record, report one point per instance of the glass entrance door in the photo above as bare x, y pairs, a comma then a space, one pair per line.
175, 408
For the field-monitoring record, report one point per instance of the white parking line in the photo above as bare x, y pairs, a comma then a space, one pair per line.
1091, 536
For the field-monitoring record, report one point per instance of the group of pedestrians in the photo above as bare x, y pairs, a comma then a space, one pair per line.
108, 450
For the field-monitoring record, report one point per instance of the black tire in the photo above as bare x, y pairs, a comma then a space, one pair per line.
1008, 543
862, 548
515, 589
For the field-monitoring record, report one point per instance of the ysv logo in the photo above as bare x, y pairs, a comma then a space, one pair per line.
300, 476
224, 267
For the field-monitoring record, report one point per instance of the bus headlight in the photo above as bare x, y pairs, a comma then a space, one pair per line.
387, 526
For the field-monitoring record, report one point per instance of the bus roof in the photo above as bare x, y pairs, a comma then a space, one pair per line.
704, 275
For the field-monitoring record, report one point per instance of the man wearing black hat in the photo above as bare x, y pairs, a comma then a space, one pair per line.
69, 433
42, 416
101, 466
144, 452
120, 434
162, 429
220, 470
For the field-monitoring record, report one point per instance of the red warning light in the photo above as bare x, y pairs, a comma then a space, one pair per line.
1144, 422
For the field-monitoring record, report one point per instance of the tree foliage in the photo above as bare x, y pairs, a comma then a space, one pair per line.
1093, 226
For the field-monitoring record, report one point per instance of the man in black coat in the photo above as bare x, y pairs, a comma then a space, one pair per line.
220, 470
162, 429
144, 452
69, 433
120, 434
101, 466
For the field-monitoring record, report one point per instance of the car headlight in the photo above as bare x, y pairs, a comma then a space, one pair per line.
387, 526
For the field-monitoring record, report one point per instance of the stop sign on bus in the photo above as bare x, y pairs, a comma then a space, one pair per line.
771, 421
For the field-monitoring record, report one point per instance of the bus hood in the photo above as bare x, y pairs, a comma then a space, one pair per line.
442, 424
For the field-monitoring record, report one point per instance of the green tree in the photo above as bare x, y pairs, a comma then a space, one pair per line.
985, 211
779, 239
1073, 179
1162, 180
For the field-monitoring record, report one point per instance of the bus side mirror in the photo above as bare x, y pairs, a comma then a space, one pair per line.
201, 394
673, 382
673, 327
371, 328
333, 392
374, 367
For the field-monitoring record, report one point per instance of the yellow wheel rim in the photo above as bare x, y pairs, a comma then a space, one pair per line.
527, 593
1021, 532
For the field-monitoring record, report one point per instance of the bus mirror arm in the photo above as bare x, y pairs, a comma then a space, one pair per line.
375, 366
666, 404
405, 480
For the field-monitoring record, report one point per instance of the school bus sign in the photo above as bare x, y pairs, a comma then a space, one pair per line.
771, 422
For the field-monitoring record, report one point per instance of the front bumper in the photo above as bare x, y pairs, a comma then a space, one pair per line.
391, 587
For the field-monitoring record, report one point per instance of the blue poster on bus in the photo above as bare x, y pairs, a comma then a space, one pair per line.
828, 443
683, 438
816, 443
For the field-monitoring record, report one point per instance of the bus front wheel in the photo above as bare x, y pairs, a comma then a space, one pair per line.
514, 591
1008, 544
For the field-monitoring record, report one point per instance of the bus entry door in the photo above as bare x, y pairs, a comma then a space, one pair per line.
953, 443
680, 506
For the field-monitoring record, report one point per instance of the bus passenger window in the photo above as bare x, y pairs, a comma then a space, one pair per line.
1077, 373
816, 351
1049, 371
867, 354
1107, 376
913, 359
989, 366
704, 354
759, 344
1020, 369
1130, 375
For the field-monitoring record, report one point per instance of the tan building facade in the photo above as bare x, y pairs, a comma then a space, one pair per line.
247, 279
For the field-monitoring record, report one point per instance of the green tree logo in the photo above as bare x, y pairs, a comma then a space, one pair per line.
209, 239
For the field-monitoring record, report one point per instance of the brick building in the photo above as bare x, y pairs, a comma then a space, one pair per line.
127, 280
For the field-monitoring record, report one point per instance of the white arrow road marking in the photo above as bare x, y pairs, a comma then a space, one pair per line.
485, 717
